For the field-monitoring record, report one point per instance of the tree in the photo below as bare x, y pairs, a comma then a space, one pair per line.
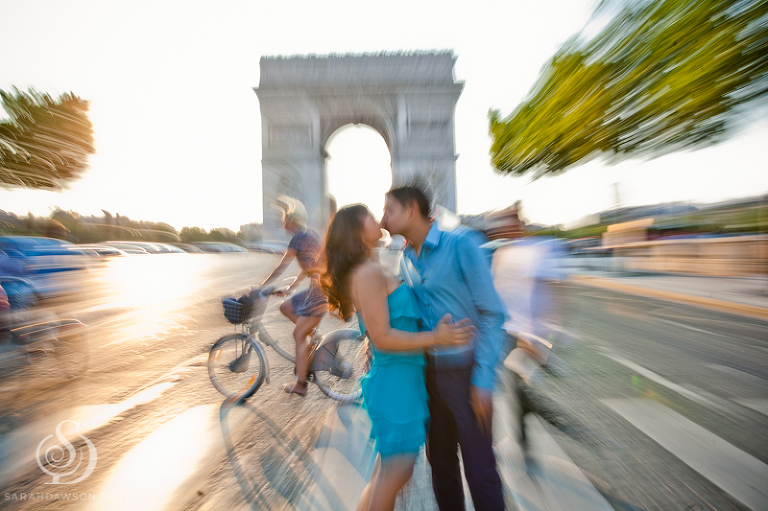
193, 234
45, 144
251, 233
223, 234
661, 76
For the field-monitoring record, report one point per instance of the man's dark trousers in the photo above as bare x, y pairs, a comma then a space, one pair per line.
453, 423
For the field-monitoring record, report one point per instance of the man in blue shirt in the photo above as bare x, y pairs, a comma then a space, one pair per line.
450, 274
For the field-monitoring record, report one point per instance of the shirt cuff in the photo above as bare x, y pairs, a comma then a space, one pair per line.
483, 377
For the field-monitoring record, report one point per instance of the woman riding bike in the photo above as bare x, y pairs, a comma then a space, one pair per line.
307, 308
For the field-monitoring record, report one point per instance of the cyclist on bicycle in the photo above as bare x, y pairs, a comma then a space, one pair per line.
307, 308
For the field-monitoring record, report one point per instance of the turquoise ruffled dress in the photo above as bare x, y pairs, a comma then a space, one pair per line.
395, 390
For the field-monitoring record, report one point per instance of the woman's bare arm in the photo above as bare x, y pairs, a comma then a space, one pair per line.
296, 282
370, 292
288, 257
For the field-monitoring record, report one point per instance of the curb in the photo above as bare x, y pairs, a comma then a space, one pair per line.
741, 309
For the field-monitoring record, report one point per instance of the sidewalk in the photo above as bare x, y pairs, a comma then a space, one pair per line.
550, 482
742, 296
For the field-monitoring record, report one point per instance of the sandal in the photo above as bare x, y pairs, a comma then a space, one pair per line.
298, 387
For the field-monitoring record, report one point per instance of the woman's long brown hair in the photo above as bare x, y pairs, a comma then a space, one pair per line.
344, 250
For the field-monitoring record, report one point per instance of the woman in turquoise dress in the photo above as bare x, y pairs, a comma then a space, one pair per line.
394, 390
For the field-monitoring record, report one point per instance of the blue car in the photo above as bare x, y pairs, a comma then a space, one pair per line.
42, 260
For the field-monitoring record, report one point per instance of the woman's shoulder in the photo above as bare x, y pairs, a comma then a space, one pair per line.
372, 274
362, 279
368, 270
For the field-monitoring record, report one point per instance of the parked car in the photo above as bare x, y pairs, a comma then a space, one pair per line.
152, 248
188, 248
270, 247
219, 247
101, 251
171, 249
44, 261
43, 255
128, 248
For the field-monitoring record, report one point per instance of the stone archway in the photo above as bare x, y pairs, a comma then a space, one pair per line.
408, 98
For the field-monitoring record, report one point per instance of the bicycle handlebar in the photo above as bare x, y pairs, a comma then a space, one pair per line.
270, 290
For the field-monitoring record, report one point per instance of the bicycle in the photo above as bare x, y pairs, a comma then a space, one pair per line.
238, 365
30, 335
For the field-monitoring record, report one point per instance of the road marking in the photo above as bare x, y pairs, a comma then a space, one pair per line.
746, 377
647, 373
561, 482
759, 405
736, 472
688, 327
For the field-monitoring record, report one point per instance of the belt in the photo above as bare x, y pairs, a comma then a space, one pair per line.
450, 357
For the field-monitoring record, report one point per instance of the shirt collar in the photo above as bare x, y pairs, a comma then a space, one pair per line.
434, 235
432, 239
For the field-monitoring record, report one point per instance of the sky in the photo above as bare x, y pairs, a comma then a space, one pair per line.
178, 130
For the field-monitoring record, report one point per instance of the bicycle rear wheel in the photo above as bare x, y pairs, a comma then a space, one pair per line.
237, 366
339, 366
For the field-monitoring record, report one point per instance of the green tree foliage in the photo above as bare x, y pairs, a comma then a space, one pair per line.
193, 234
45, 143
661, 76
224, 234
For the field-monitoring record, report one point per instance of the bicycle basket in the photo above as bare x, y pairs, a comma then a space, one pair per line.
235, 310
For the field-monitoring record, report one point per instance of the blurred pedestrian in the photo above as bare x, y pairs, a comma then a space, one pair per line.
394, 389
450, 274
528, 278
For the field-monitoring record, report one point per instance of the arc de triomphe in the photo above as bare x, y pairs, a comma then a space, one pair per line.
409, 98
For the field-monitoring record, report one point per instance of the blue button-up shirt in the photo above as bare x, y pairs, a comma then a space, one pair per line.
452, 275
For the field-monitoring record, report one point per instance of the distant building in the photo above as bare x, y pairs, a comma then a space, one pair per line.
628, 214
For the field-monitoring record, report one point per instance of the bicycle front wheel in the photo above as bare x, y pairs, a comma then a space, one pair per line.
237, 366
340, 365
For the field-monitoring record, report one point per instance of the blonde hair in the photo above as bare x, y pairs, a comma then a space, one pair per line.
292, 210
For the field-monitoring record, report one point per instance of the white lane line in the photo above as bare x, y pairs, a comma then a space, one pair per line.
647, 373
563, 485
736, 472
746, 377
554, 482
759, 405
688, 327
512, 467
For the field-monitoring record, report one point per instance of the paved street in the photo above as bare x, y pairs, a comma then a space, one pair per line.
147, 404
652, 378
672, 398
